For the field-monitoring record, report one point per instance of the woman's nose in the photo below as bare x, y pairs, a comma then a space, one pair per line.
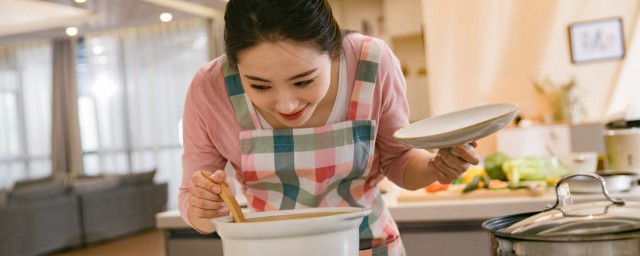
287, 104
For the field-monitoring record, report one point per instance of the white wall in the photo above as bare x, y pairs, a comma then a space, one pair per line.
489, 51
625, 99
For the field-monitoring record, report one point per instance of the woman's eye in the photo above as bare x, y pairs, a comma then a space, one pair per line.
259, 87
303, 83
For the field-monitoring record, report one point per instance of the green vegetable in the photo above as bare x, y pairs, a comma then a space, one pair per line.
493, 165
486, 181
472, 185
524, 168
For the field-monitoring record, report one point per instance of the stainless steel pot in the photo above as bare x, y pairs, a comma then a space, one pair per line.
609, 227
615, 182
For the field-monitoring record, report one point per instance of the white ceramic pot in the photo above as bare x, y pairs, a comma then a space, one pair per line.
623, 149
335, 235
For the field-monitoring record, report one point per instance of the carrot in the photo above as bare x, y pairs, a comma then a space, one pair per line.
498, 184
436, 186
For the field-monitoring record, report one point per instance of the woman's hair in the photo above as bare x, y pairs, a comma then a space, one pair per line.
251, 22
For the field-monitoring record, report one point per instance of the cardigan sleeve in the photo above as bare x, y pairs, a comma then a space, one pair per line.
394, 114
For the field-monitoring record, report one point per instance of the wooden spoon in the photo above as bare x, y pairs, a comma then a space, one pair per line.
228, 199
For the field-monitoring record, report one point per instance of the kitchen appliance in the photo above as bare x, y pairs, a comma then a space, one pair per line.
609, 227
316, 236
622, 145
623, 149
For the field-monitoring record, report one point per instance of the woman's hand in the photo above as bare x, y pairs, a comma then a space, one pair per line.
447, 167
204, 195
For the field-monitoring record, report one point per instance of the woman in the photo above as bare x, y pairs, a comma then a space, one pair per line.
305, 115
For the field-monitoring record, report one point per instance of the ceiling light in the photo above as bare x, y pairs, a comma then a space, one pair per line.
97, 50
72, 31
80, 1
166, 17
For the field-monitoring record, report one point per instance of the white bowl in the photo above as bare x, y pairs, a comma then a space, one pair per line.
326, 235
614, 182
580, 162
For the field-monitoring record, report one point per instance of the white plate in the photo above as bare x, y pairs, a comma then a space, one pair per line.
457, 128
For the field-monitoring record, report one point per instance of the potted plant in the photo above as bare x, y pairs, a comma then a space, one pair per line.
564, 99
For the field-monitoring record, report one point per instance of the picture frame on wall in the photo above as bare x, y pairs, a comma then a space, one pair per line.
596, 40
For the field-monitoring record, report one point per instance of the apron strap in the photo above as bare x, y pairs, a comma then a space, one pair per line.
362, 97
245, 113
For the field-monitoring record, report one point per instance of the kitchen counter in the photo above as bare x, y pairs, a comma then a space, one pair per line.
485, 208
436, 226
450, 210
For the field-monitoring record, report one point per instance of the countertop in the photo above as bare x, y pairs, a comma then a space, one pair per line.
447, 211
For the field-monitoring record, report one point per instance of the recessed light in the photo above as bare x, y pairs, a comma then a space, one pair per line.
71, 31
97, 50
80, 1
166, 17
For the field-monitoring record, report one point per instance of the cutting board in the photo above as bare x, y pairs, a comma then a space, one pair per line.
422, 195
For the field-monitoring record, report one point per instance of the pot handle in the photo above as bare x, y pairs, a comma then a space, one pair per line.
603, 183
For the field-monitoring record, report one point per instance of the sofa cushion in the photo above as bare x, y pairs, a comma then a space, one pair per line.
38, 191
31, 182
90, 184
136, 178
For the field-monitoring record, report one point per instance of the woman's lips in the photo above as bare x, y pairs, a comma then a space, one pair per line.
295, 115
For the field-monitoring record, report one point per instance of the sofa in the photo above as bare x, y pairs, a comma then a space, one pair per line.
43, 216
37, 218
125, 205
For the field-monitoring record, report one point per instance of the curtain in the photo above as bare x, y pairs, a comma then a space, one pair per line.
25, 112
132, 87
66, 154
625, 99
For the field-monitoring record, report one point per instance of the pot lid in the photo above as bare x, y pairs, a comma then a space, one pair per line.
604, 217
580, 219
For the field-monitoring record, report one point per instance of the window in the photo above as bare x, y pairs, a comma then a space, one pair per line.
25, 112
132, 85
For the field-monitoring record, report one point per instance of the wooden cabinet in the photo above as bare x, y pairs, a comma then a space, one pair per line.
399, 24
402, 18
444, 238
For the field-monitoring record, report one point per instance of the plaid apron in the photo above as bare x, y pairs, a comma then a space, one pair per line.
318, 167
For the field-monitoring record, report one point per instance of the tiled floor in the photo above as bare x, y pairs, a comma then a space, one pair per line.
148, 244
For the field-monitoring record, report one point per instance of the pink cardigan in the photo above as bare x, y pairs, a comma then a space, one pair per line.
210, 130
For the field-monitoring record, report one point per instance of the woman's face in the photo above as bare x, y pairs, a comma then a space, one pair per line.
285, 80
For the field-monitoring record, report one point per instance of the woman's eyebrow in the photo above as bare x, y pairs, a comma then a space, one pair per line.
303, 74
257, 78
